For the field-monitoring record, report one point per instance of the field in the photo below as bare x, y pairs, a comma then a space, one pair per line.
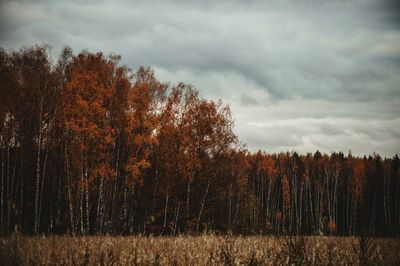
198, 250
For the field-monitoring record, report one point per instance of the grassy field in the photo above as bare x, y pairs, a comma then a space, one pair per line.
198, 250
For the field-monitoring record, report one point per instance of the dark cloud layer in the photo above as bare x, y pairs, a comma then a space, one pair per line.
299, 75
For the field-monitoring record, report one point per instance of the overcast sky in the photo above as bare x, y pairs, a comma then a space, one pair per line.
299, 75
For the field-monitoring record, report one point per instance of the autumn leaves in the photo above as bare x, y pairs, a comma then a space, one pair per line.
90, 147
98, 128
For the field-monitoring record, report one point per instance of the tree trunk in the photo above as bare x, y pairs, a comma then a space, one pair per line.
188, 199
100, 206
81, 203
113, 204
41, 189
2, 189
202, 205
176, 217
70, 206
87, 202
36, 222
125, 209
11, 198
166, 206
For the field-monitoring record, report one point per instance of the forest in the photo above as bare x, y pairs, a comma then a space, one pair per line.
90, 147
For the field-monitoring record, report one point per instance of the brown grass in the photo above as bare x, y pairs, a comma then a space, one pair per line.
197, 250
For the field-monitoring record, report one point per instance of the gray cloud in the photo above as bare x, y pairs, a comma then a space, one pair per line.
293, 71
248, 100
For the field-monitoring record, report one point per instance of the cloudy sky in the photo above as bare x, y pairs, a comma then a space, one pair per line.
299, 75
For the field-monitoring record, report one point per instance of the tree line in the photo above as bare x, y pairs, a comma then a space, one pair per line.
91, 147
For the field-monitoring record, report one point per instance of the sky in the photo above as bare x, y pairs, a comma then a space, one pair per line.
300, 75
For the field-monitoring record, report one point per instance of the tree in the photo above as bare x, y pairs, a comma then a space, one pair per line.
90, 147
86, 117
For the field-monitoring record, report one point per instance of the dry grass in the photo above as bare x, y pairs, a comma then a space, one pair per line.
197, 250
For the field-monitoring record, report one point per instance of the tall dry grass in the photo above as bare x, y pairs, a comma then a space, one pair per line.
197, 250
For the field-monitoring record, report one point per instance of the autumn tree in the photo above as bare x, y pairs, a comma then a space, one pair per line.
91, 147
86, 118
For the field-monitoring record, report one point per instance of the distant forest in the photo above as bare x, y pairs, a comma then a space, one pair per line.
91, 147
